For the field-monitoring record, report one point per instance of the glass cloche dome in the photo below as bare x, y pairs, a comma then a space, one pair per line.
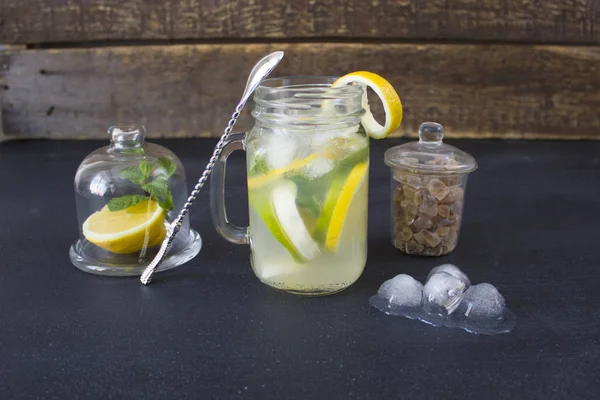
126, 195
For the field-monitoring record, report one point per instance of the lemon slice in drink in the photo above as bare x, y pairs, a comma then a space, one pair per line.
128, 230
259, 180
277, 208
339, 197
386, 93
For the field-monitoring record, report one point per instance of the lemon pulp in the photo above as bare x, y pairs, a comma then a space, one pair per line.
128, 230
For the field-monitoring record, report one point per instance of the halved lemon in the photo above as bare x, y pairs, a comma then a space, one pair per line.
386, 93
128, 230
277, 208
335, 209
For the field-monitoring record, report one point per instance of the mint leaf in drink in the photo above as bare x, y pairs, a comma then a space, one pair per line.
159, 191
310, 193
132, 174
123, 202
146, 168
260, 166
310, 204
167, 165
352, 159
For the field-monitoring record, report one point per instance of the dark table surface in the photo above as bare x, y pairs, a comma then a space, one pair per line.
210, 329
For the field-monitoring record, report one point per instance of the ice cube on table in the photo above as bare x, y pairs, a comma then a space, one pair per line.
446, 301
402, 290
280, 150
452, 270
482, 301
443, 290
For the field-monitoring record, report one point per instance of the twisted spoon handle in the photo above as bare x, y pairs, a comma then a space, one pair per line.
175, 226
260, 71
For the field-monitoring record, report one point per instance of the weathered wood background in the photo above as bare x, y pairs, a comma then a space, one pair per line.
483, 68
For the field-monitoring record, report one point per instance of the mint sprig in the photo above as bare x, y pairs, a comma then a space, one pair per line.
134, 175
155, 189
167, 166
147, 167
120, 203
159, 191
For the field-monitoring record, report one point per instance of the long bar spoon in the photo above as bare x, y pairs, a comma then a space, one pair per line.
260, 71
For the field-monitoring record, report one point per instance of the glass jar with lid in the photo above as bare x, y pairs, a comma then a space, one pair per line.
429, 179
126, 195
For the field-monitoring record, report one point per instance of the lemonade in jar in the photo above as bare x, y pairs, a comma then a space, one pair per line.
307, 174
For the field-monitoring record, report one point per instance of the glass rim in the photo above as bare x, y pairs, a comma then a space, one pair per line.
307, 83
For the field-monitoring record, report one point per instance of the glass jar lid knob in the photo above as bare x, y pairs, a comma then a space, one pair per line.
431, 134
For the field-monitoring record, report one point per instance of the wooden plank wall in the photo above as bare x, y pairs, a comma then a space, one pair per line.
483, 68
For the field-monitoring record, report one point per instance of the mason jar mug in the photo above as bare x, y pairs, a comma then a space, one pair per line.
307, 173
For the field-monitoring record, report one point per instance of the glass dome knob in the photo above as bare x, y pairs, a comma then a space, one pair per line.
123, 136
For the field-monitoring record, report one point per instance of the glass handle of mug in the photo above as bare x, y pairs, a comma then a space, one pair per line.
228, 230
